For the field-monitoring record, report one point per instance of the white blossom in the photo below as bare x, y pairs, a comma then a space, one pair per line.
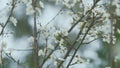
69, 3
10, 50
41, 52
76, 17
50, 46
56, 33
70, 13
114, 39
118, 30
88, 61
31, 39
3, 44
55, 63
13, 20
53, 57
41, 4
29, 10
108, 67
80, 60
61, 42
116, 58
38, 10
61, 59
65, 32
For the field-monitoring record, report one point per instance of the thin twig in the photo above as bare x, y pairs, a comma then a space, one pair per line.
90, 41
81, 42
83, 16
72, 46
3, 26
35, 45
46, 49
15, 61
55, 16
111, 57
22, 49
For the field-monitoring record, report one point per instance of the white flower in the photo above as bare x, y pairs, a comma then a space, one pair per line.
81, 24
29, 9
31, 39
107, 67
3, 44
1, 28
118, 30
41, 53
116, 58
56, 33
76, 17
88, 61
114, 39
80, 60
38, 10
69, 3
66, 4
61, 42
65, 32
50, 47
55, 63
61, 59
53, 57
70, 13
107, 15
41, 4
10, 50
13, 20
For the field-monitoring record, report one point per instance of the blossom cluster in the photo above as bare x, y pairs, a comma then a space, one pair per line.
30, 10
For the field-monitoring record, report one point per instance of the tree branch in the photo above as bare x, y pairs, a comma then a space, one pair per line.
55, 16
80, 43
83, 16
3, 26
35, 45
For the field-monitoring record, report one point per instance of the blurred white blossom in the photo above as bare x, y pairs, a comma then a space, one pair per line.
29, 9
118, 30
107, 67
13, 20
41, 52
116, 58
38, 10
50, 46
41, 4
3, 44
61, 59
10, 50
31, 39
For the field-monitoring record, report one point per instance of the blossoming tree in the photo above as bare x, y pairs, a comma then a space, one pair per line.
58, 47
